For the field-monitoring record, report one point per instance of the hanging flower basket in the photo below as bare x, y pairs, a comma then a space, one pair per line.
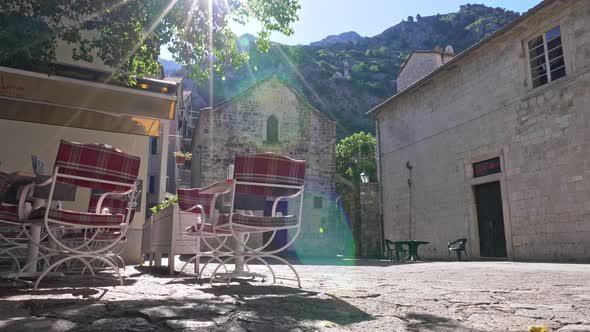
180, 160
182, 157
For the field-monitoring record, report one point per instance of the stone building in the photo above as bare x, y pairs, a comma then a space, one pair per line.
270, 116
420, 63
494, 145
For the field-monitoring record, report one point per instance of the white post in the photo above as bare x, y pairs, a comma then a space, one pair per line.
163, 158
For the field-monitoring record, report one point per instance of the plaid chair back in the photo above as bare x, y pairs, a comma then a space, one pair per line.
188, 198
268, 168
96, 161
116, 205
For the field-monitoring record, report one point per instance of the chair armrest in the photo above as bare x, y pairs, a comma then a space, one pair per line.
222, 187
112, 193
278, 199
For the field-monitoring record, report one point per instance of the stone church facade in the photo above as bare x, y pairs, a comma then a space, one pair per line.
271, 116
494, 145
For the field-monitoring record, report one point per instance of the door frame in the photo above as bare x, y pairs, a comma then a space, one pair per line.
472, 223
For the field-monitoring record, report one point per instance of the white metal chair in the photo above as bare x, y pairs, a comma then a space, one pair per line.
89, 236
13, 241
202, 205
272, 176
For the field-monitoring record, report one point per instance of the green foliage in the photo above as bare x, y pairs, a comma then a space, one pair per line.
324, 54
374, 68
356, 154
164, 204
359, 67
127, 35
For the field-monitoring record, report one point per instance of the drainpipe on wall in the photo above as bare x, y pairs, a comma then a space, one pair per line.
380, 185
409, 166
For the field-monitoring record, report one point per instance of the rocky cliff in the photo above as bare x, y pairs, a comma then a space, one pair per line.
346, 75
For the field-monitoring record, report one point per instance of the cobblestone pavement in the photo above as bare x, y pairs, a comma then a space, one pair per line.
366, 296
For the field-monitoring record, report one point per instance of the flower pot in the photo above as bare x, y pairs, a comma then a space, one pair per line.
180, 160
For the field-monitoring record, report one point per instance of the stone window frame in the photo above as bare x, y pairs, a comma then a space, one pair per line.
542, 31
278, 129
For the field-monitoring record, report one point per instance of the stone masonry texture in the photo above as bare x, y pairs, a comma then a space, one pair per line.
484, 107
239, 125
370, 221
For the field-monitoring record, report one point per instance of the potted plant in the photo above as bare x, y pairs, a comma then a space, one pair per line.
181, 157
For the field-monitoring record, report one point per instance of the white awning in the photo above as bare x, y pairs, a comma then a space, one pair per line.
35, 97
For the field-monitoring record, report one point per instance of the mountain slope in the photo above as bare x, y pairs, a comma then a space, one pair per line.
344, 37
345, 76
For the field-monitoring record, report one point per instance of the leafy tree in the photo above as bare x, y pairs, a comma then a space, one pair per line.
359, 67
127, 34
374, 68
356, 154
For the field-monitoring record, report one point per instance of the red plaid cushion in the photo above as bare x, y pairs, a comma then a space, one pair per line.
97, 162
116, 205
102, 236
268, 168
257, 221
188, 198
9, 212
79, 218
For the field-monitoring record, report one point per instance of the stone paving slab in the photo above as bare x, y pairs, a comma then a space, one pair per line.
337, 295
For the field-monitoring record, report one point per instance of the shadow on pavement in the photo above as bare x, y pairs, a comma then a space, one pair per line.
265, 308
429, 322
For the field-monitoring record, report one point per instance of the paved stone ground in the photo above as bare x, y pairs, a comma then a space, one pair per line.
367, 296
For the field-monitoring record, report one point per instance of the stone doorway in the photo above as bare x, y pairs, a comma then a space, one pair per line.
490, 220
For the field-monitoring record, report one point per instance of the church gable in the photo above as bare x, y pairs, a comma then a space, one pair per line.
270, 114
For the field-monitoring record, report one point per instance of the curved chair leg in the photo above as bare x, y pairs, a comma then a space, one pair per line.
8, 252
290, 266
209, 261
260, 259
61, 261
35, 261
224, 262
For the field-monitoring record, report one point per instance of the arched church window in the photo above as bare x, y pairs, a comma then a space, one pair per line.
272, 129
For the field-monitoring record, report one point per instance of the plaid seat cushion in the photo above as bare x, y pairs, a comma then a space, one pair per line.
96, 161
9, 212
258, 221
188, 198
268, 168
79, 218
102, 236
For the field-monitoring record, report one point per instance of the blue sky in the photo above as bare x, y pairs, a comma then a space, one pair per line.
320, 18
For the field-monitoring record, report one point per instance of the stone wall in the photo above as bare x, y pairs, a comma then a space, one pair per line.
238, 126
370, 232
483, 107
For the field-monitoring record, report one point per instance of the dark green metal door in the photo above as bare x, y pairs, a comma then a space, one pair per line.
490, 220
